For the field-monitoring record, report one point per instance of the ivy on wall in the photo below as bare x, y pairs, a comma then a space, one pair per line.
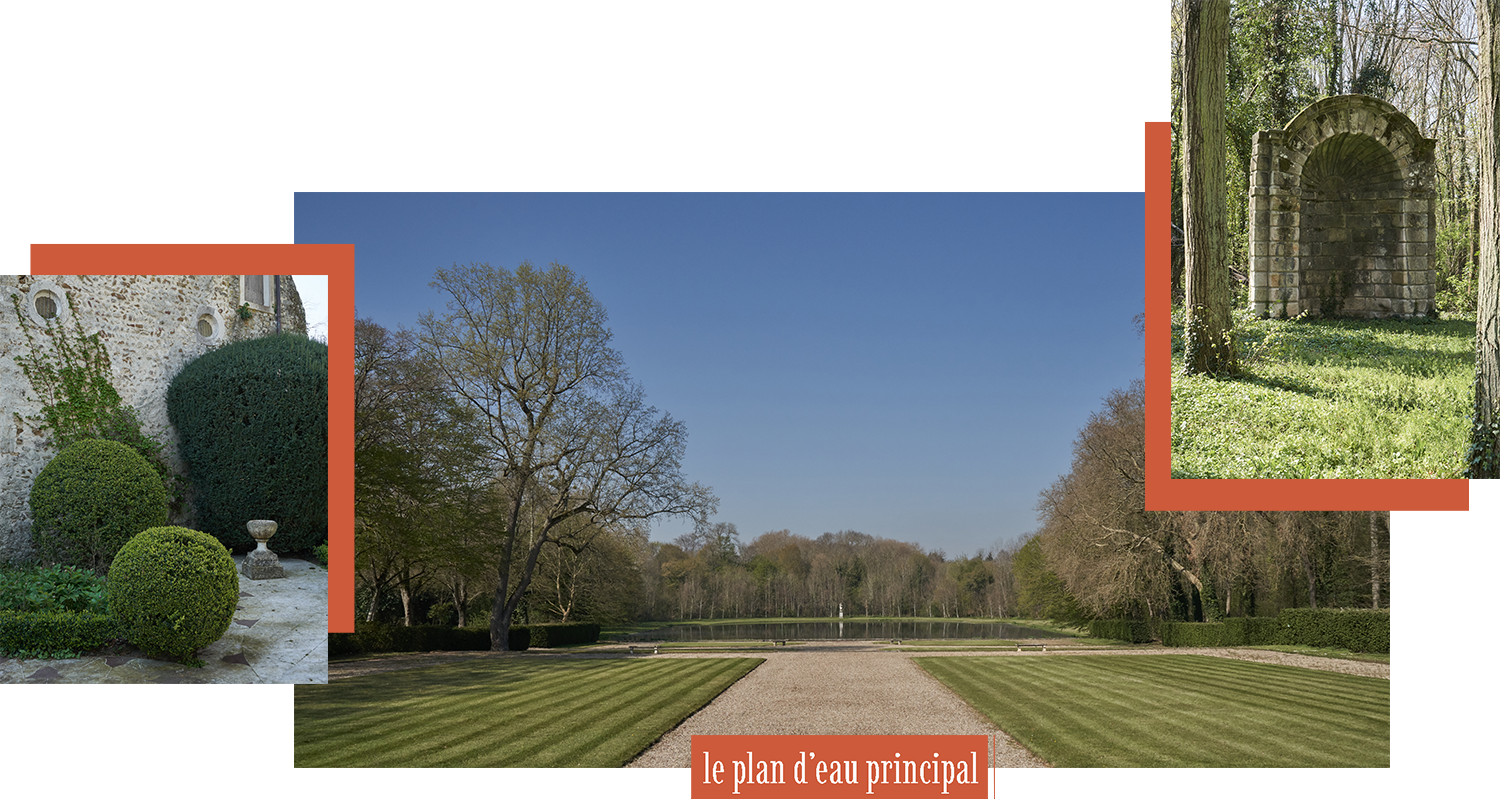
73, 381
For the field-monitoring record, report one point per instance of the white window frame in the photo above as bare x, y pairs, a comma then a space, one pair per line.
268, 290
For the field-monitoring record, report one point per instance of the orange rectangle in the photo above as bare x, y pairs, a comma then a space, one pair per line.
1165, 493
840, 765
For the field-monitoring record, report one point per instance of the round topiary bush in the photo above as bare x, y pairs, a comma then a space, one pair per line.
90, 499
174, 591
253, 420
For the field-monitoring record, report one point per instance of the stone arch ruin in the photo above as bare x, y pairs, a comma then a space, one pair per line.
1342, 215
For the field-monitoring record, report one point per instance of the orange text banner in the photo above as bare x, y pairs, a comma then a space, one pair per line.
841, 765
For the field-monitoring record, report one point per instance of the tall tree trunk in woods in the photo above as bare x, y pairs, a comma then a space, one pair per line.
1210, 343
1484, 460
1280, 58
1335, 49
1375, 560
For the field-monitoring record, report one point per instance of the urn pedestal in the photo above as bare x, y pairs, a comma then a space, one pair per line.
261, 564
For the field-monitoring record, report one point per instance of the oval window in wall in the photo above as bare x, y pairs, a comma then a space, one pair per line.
208, 325
46, 303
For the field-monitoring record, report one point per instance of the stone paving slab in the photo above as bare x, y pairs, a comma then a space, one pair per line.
279, 635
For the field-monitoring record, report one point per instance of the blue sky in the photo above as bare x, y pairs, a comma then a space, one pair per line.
912, 366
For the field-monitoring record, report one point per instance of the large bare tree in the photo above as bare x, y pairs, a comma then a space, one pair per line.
573, 446
1209, 334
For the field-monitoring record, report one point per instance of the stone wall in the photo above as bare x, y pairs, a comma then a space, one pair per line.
1342, 214
152, 325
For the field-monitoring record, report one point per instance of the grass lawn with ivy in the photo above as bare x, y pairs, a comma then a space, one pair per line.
1330, 398
1126, 711
508, 712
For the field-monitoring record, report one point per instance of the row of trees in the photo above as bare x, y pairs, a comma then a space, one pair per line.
1242, 67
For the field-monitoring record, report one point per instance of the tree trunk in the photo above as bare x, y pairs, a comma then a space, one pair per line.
1483, 459
1209, 338
374, 602
1375, 561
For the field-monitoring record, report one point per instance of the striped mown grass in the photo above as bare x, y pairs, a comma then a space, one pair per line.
511, 712
1176, 710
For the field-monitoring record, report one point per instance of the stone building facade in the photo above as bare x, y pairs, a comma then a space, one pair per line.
151, 325
1342, 214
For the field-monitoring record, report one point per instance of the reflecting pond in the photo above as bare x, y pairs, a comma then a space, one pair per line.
837, 630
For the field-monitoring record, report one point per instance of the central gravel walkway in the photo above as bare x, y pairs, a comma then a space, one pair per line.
833, 688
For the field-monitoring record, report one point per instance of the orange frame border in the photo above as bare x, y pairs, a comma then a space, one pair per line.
334, 260
1165, 493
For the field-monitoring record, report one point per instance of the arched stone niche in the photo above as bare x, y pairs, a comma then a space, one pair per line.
1341, 214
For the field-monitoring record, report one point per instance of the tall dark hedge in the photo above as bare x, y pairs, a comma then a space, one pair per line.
253, 420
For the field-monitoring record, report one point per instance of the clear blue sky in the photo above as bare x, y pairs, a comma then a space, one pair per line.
911, 366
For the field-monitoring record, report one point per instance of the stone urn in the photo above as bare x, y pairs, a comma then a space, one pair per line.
261, 564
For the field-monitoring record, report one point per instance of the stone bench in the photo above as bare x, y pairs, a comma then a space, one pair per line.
655, 648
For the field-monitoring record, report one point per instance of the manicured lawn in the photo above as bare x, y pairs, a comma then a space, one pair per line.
1335, 398
1176, 710
512, 712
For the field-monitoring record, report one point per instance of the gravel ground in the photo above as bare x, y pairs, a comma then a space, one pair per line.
833, 688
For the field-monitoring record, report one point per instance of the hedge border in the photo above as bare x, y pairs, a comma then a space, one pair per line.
54, 633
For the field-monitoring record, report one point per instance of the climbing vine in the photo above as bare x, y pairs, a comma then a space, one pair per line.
72, 379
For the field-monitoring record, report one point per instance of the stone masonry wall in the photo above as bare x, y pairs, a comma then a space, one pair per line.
152, 325
1342, 214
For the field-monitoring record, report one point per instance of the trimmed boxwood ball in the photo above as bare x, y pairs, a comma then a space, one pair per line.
174, 591
252, 417
90, 499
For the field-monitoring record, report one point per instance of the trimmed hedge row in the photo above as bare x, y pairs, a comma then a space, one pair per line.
372, 638
1252, 631
1354, 630
1131, 630
550, 635
53, 633
369, 639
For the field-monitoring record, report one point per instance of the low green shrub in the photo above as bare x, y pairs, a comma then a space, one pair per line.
54, 633
90, 499
1134, 631
1354, 630
174, 591
54, 588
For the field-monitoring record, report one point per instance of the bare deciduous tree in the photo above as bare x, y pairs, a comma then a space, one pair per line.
573, 445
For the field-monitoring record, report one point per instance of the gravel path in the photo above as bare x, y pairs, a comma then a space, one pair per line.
833, 688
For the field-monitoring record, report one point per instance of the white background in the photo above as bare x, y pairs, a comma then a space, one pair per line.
171, 123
